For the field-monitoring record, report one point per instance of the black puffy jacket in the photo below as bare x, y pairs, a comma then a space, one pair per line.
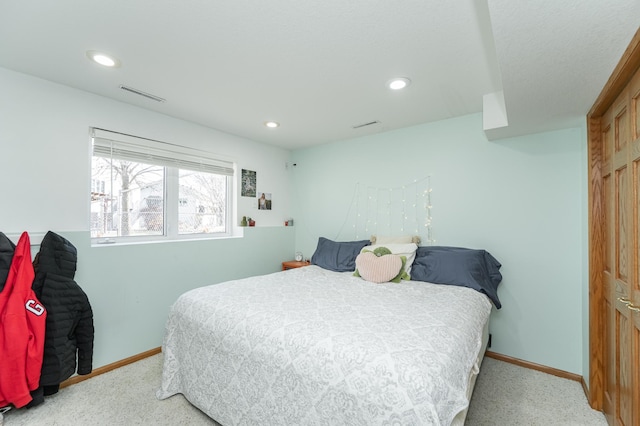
7, 248
69, 330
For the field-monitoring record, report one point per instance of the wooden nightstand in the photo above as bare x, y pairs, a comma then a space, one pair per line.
292, 264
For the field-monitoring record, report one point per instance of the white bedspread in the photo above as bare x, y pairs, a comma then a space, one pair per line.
314, 347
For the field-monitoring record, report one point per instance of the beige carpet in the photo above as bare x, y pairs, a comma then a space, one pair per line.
505, 395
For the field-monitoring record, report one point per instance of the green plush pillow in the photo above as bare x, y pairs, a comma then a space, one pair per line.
381, 265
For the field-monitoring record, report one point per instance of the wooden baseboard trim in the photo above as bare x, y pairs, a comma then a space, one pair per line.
543, 368
585, 388
109, 367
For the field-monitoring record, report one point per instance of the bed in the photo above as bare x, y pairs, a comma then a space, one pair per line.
316, 346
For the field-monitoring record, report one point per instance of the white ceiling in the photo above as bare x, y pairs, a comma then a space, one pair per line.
320, 67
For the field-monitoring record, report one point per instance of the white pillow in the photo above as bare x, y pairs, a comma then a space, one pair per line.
403, 239
406, 250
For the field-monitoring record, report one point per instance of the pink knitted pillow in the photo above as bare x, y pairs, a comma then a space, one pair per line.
378, 269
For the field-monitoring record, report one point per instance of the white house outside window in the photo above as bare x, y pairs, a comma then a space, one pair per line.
143, 189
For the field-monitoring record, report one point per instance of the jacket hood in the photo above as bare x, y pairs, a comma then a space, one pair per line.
57, 256
7, 248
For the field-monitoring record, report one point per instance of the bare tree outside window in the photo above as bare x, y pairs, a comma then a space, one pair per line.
129, 198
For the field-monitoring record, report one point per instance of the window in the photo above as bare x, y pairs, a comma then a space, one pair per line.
143, 189
206, 202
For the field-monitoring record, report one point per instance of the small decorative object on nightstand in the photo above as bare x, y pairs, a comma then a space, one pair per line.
292, 264
298, 256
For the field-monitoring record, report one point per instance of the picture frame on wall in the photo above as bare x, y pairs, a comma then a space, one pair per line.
264, 201
249, 183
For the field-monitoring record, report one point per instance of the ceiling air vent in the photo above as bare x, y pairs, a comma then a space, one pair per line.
357, 126
141, 93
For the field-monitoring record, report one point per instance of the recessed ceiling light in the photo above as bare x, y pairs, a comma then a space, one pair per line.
398, 83
103, 59
271, 124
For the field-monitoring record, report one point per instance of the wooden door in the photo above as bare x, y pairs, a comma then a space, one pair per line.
633, 305
620, 143
614, 243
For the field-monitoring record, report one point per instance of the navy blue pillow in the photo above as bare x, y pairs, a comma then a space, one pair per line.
337, 256
476, 269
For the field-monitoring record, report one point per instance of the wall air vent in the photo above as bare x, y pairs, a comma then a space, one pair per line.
141, 93
357, 126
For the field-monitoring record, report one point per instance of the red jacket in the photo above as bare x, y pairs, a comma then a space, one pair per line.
22, 327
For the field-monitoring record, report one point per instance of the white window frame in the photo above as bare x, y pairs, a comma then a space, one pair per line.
173, 158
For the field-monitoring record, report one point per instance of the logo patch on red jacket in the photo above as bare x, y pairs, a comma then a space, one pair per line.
34, 307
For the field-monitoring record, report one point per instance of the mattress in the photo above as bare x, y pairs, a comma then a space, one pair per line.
310, 346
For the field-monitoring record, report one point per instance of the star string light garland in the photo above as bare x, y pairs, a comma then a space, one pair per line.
391, 211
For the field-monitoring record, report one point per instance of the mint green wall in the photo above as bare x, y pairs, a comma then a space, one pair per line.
521, 199
585, 262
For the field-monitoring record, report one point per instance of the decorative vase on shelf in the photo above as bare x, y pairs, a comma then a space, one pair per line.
243, 222
251, 222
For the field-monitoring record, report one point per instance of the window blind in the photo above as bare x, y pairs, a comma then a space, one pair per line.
121, 146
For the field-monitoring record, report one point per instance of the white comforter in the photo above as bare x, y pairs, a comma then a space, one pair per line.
314, 347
